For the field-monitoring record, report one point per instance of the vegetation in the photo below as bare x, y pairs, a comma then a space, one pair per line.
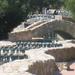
40, 4
70, 5
12, 13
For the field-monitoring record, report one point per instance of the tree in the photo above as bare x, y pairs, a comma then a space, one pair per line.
40, 4
33, 6
12, 13
70, 5
3, 8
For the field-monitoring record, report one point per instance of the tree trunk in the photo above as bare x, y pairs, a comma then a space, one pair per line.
40, 10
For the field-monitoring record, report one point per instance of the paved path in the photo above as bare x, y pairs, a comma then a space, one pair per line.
69, 72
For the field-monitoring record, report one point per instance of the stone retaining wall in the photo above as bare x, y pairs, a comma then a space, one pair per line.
22, 35
42, 68
64, 54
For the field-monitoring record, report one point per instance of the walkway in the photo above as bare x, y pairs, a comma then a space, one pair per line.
69, 72
35, 25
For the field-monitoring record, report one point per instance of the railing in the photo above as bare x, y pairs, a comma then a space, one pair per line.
45, 17
41, 16
64, 13
17, 51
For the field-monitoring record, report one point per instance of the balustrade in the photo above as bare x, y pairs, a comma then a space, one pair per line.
10, 53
